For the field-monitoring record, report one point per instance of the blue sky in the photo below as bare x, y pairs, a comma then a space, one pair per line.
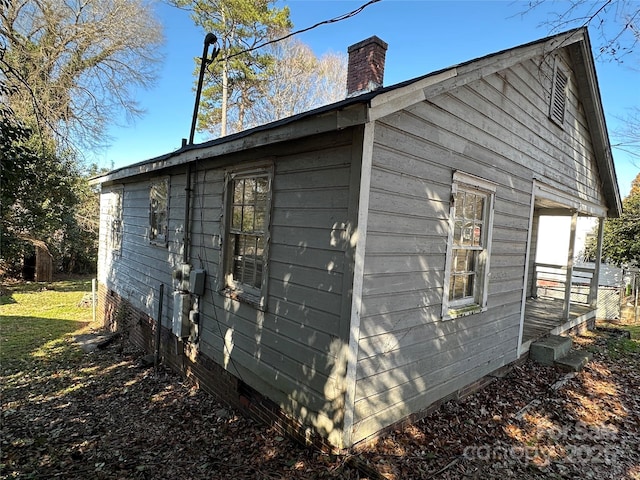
423, 36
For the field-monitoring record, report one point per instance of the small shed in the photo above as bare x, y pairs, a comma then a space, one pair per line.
350, 267
38, 265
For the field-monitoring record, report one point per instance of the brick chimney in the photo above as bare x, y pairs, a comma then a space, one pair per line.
365, 71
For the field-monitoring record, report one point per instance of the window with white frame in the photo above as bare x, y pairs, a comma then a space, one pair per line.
469, 245
159, 211
115, 220
247, 234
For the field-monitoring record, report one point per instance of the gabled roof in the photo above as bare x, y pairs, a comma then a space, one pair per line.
370, 106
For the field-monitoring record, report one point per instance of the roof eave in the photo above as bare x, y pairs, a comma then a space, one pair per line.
588, 83
338, 116
405, 94
374, 105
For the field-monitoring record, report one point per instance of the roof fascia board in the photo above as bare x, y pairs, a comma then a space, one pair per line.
588, 83
155, 164
561, 197
394, 100
325, 121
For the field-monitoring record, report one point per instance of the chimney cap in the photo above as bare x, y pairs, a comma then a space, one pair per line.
367, 41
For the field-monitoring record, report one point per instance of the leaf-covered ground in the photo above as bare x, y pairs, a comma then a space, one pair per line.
101, 415
537, 422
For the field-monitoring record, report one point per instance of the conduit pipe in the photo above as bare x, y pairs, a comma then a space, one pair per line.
187, 216
156, 358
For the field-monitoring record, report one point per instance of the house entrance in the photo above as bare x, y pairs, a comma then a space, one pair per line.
560, 286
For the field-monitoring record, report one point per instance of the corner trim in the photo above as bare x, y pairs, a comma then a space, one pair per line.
358, 283
527, 258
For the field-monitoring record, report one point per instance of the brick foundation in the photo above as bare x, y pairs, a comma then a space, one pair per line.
117, 314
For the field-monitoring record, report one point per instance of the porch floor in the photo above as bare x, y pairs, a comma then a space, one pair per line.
543, 316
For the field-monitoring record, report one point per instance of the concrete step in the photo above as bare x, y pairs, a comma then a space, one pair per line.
574, 361
549, 349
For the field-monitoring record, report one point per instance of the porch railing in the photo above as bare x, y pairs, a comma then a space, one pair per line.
551, 282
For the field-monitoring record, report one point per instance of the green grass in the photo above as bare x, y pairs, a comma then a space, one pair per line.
36, 319
621, 347
634, 330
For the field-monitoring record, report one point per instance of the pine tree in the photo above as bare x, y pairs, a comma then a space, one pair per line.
234, 80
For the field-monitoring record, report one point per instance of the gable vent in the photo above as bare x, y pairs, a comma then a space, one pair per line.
558, 96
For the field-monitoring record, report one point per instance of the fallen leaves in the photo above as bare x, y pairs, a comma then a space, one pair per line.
102, 416
106, 418
534, 423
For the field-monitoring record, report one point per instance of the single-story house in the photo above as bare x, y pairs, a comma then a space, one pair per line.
348, 268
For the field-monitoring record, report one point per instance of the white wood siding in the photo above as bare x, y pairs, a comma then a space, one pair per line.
294, 351
496, 128
136, 274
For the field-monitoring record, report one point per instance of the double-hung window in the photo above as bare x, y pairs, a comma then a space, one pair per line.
115, 220
247, 234
469, 246
159, 211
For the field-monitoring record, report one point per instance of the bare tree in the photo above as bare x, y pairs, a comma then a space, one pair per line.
73, 65
615, 27
628, 137
332, 79
298, 81
617, 23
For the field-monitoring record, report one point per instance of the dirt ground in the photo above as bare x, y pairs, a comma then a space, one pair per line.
104, 416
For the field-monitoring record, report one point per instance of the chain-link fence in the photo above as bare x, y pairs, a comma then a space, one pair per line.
609, 302
620, 303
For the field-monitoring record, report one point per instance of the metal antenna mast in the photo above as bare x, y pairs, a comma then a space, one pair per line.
206, 61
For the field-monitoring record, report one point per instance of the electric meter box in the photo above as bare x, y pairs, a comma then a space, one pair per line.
196, 281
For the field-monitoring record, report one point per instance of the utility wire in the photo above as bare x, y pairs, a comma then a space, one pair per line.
339, 18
